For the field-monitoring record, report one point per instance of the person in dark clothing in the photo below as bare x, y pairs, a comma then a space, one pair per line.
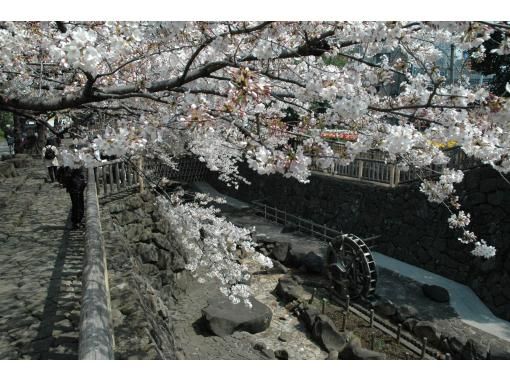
74, 181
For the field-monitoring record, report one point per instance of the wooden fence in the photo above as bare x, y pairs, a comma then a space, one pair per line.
374, 167
112, 177
117, 175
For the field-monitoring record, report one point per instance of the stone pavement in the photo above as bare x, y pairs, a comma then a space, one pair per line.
40, 269
4, 148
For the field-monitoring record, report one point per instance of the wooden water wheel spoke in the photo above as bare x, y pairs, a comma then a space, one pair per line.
351, 267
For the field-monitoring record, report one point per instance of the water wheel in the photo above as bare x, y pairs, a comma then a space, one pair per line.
351, 267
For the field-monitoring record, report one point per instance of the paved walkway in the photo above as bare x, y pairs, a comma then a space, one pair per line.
41, 263
4, 148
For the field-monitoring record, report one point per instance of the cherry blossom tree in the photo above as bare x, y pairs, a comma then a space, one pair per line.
220, 91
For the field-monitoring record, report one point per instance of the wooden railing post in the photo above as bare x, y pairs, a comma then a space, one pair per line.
392, 175
360, 169
140, 178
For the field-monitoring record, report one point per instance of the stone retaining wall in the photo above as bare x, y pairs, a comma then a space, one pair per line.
412, 229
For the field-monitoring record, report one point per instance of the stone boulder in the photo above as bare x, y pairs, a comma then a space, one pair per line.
453, 345
425, 329
385, 308
326, 334
473, 350
499, 353
409, 324
354, 351
314, 262
289, 290
405, 312
223, 317
289, 228
307, 314
277, 268
280, 251
296, 255
436, 293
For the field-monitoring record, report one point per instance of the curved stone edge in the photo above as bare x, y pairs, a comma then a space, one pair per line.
96, 340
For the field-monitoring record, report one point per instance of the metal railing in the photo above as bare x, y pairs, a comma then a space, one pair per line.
302, 225
188, 169
306, 226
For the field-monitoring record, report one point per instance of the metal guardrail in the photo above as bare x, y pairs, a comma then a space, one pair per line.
189, 169
96, 340
302, 225
320, 231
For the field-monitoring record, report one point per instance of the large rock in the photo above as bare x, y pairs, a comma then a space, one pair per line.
409, 324
455, 345
499, 353
314, 262
289, 290
385, 308
325, 332
425, 329
280, 251
474, 351
277, 268
307, 314
289, 228
436, 293
223, 317
405, 312
354, 351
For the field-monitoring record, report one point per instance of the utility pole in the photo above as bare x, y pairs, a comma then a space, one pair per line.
452, 52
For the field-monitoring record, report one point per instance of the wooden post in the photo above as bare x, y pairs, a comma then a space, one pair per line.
117, 175
371, 317
399, 332
344, 320
110, 172
360, 169
140, 178
347, 303
103, 170
392, 175
313, 295
323, 305
372, 341
423, 348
